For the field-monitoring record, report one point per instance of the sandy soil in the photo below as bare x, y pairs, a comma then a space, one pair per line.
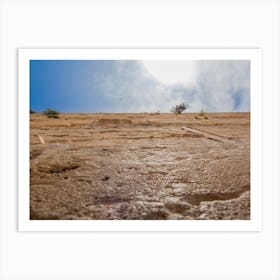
140, 166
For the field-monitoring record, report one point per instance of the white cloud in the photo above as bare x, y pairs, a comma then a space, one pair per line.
172, 72
223, 86
214, 86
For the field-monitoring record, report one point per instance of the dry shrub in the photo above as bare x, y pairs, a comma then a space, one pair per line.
51, 113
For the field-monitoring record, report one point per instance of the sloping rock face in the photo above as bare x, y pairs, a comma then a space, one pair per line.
140, 166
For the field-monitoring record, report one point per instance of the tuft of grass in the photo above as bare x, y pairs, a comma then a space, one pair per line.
51, 113
202, 113
155, 113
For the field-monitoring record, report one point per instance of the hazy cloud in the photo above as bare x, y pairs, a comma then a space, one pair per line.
218, 86
222, 86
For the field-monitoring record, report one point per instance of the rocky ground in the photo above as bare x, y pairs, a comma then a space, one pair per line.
140, 166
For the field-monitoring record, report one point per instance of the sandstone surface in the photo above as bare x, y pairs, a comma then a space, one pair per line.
140, 166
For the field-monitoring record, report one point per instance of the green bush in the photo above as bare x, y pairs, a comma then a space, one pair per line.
51, 113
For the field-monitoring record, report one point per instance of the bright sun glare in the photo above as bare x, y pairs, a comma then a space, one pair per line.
171, 72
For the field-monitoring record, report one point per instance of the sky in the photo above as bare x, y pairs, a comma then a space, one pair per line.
124, 86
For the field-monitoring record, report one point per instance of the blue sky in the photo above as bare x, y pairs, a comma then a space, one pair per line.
115, 86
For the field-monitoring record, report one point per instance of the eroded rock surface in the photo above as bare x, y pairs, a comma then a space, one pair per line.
140, 166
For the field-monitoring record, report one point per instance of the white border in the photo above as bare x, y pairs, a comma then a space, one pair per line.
254, 55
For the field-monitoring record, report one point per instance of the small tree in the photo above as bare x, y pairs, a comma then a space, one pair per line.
178, 109
51, 113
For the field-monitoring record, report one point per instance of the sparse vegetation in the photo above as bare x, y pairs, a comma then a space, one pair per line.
201, 115
179, 109
51, 113
156, 113
32, 111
